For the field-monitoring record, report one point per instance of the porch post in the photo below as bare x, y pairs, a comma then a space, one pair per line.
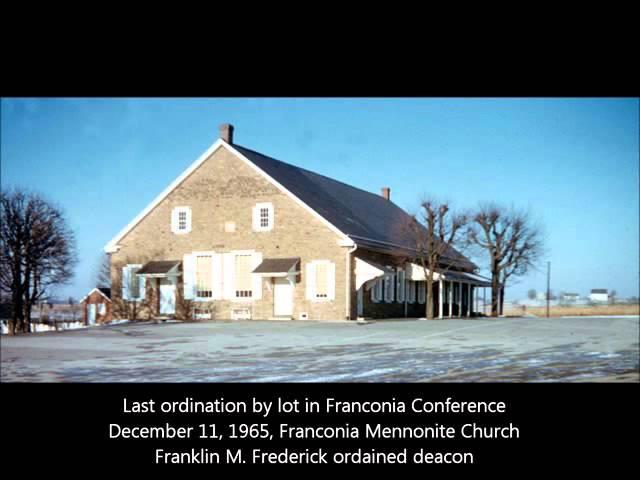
475, 292
484, 300
469, 304
450, 299
440, 295
459, 299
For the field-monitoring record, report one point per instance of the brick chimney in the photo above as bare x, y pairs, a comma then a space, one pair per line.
386, 193
226, 132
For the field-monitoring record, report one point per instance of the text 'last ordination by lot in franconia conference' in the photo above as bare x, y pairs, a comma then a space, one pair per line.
331, 405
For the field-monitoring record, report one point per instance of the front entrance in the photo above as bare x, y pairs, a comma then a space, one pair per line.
282, 297
91, 313
167, 296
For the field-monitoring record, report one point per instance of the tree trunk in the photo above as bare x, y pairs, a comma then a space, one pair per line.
27, 318
429, 298
502, 299
495, 291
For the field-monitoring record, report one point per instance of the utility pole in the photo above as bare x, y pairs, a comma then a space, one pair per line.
548, 286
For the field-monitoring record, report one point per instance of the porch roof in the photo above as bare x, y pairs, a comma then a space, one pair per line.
273, 267
471, 278
160, 268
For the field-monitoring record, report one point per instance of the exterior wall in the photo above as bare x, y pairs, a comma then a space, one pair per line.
599, 297
96, 299
225, 189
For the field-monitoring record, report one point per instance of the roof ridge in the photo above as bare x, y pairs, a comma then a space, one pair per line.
314, 173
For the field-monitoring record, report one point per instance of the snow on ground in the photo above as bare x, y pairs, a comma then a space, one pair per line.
37, 327
470, 350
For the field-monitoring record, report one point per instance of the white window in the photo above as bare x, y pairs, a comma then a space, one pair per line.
376, 291
204, 276
389, 290
133, 286
242, 275
400, 284
181, 220
321, 280
411, 291
102, 309
263, 217
422, 292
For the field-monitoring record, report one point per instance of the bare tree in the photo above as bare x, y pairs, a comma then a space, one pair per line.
37, 251
512, 241
435, 229
103, 271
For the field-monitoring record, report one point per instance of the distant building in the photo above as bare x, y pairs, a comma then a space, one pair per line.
96, 306
570, 297
599, 295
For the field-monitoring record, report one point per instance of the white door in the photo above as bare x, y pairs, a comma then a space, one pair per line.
167, 296
282, 297
92, 313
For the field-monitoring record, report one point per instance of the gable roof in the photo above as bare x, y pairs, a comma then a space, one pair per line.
104, 291
367, 218
363, 217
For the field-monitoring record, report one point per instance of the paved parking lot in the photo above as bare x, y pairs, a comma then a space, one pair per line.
473, 350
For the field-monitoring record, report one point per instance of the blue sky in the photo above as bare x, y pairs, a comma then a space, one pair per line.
572, 162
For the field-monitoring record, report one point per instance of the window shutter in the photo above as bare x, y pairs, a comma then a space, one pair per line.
400, 282
188, 276
271, 218
125, 282
255, 218
188, 210
389, 287
228, 279
174, 220
421, 292
256, 278
217, 272
331, 281
311, 281
410, 291
376, 291
142, 284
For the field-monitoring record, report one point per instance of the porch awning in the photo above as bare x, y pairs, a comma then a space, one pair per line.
367, 270
416, 273
278, 267
160, 269
471, 278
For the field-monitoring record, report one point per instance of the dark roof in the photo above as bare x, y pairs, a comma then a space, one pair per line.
158, 267
105, 291
599, 290
367, 218
475, 279
276, 265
